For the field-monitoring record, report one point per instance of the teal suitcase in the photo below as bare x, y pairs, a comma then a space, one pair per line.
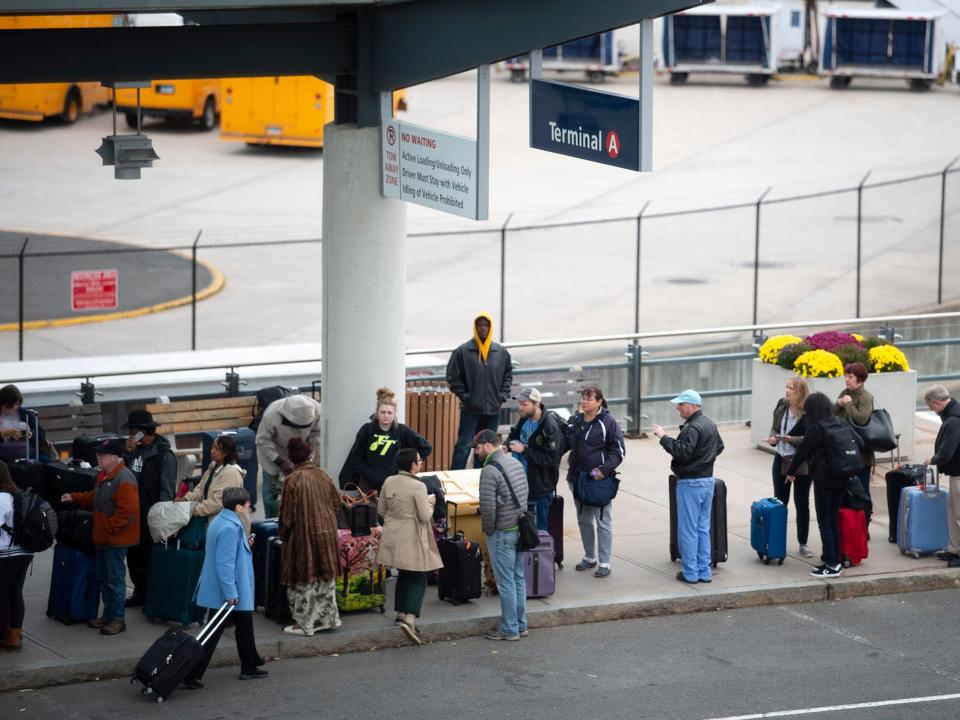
174, 574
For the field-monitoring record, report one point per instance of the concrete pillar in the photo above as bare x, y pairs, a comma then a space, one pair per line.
364, 288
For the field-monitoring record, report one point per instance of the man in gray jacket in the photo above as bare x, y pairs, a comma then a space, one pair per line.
294, 416
503, 494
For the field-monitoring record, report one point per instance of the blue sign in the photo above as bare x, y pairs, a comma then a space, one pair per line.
586, 124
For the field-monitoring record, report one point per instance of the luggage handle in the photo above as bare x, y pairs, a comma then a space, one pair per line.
214, 623
931, 479
456, 508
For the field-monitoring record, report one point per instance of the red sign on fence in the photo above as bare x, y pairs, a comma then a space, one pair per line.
93, 290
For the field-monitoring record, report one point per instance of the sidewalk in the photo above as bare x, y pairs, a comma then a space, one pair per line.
642, 584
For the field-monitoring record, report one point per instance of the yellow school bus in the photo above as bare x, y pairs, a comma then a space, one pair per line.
38, 101
280, 110
186, 101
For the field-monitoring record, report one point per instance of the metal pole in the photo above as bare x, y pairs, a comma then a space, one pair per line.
636, 281
503, 277
756, 257
23, 250
859, 236
193, 293
943, 217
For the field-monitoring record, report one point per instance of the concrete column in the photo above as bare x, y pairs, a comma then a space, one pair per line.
364, 288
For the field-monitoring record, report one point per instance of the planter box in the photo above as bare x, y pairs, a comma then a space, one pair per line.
896, 392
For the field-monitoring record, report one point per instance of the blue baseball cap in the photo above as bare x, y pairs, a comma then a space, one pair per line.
688, 396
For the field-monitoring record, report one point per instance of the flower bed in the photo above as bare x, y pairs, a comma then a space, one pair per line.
824, 354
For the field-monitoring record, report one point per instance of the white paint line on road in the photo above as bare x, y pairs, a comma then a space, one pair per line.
835, 708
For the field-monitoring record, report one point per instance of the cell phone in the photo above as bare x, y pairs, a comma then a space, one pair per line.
138, 437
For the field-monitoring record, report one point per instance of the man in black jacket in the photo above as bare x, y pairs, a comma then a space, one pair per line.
946, 456
150, 458
480, 373
536, 442
693, 451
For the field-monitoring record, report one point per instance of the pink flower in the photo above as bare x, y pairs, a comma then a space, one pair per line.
830, 340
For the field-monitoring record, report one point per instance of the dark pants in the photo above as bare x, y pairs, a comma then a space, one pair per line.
540, 506
138, 562
13, 572
801, 497
864, 477
411, 587
828, 518
470, 425
246, 644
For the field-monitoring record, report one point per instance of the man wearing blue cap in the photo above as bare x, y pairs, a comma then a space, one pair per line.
693, 451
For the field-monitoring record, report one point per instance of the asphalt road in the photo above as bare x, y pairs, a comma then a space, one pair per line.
890, 657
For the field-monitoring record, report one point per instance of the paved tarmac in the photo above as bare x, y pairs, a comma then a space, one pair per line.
643, 582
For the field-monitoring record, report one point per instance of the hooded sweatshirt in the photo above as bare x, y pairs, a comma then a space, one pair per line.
373, 457
480, 373
294, 416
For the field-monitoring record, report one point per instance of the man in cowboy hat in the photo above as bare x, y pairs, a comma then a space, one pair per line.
153, 463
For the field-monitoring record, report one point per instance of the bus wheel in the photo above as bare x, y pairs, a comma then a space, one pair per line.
920, 84
71, 107
757, 80
131, 118
678, 78
518, 75
208, 120
596, 77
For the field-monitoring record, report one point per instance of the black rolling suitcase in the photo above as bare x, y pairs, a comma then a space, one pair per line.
171, 658
460, 576
897, 479
555, 528
718, 522
84, 447
63, 478
275, 604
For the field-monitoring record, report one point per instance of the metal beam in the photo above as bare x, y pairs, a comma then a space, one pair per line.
75, 7
92, 54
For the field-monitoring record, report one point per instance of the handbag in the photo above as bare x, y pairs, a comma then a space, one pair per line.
878, 433
528, 538
597, 493
358, 513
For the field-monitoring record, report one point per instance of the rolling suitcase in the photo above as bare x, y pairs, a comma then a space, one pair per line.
30, 476
539, 570
555, 527
63, 478
718, 522
75, 530
246, 440
275, 603
853, 537
169, 660
74, 590
262, 530
461, 577
922, 526
362, 582
174, 574
897, 479
768, 530
85, 448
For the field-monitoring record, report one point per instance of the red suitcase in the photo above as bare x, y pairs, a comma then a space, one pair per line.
853, 536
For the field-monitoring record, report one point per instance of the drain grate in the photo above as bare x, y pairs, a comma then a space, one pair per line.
686, 281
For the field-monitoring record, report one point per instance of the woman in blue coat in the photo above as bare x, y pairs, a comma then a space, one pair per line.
227, 577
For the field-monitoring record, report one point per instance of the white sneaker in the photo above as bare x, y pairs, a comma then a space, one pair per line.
805, 551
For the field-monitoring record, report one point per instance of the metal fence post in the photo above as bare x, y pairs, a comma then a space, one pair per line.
860, 236
636, 282
23, 250
503, 277
193, 293
634, 360
943, 217
756, 258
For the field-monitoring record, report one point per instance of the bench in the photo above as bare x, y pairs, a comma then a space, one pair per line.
62, 423
559, 389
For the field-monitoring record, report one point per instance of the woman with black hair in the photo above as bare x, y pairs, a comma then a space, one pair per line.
223, 472
14, 561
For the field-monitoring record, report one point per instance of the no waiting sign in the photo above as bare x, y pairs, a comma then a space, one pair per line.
93, 290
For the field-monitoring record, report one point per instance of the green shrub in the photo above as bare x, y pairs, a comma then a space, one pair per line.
872, 341
789, 353
853, 354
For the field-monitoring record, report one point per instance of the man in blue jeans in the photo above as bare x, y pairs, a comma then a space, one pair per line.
503, 494
693, 451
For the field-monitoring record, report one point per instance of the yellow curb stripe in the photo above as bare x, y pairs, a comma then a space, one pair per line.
217, 282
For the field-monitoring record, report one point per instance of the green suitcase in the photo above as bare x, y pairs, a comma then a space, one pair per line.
174, 574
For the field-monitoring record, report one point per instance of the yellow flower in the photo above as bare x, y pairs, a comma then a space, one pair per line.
818, 363
888, 358
771, 348
858, 336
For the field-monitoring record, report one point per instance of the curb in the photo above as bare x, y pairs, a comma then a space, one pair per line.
75, 671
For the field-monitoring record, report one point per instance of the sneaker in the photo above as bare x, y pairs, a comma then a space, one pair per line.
827, 571
586, 564
947, 555
411, 632
296, 630
805, 551
96, 623
497, 635
113, 627
683, 578
602, 572
524, 633
254, 674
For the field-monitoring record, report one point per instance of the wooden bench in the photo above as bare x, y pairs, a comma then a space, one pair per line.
62, 423
559, 390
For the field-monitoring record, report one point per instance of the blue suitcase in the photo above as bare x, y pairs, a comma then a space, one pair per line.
246, 440
768, 530
174, 574
263, 531
922, 527
74, 590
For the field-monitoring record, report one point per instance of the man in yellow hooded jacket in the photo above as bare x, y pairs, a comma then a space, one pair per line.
480, 373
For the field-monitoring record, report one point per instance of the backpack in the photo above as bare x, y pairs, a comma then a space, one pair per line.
843, 458
35, 522
564, 432
266, 396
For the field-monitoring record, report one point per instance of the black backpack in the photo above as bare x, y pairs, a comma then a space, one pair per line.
35, 522
265, 396
843, 458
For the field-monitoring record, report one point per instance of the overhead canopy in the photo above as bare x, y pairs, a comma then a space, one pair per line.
363, 47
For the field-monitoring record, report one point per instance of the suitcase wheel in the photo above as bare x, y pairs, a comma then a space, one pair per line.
902, 551
382, 609
759, 554
159, 699
560, 565
147, 691
780, 561
766, 561
916, 556
892, 539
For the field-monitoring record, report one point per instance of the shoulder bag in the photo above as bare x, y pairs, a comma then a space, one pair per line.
529, 538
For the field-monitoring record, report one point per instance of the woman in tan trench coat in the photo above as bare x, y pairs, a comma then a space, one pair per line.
407, 542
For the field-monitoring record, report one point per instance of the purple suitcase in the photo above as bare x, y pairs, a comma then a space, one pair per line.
539, 572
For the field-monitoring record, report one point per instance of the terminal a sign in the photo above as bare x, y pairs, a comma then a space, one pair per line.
430, 168
585, 124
